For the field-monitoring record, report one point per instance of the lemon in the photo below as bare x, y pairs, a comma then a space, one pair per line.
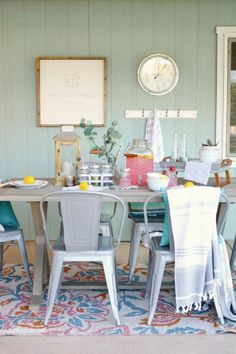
164, 177
29, 179
188, 184
83, 186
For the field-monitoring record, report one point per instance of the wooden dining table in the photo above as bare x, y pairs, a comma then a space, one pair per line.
33, 197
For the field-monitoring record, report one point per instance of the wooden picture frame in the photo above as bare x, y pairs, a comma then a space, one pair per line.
69, 89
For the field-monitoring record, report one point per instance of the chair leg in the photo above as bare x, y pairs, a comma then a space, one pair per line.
60, 279
134, 247
23, 252
233, 256
216, 297
117, 282
46, 268
55, 277
110, 274
1, 257
158, 271
149, 275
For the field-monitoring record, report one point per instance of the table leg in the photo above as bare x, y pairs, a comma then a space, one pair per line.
218, 180
41, 259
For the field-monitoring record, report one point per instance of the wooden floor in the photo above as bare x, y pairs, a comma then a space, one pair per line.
12, 254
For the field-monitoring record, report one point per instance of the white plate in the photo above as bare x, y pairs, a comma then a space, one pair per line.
37, 184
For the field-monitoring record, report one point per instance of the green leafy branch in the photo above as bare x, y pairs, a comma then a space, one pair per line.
109, 141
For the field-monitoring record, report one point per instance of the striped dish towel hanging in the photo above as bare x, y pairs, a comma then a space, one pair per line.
154, 138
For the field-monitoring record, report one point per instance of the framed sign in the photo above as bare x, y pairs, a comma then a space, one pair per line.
69, 89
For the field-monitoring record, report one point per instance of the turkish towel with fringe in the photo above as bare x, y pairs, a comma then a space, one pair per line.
193, 219
154, 137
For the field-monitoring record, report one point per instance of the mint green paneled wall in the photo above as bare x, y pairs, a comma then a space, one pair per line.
124, 31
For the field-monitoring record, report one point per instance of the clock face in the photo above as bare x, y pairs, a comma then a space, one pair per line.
158, 74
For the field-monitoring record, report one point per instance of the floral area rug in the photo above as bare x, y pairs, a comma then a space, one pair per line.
88, 312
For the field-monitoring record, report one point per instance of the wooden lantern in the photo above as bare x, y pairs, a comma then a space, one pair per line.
67, 153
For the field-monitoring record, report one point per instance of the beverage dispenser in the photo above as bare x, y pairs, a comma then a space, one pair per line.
139, 158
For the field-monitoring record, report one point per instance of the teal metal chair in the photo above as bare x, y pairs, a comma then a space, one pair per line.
10, 232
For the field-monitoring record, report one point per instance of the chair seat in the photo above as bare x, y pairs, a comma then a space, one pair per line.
156, 244
152, 219
10, 229
153, 216
105, 243
11, 233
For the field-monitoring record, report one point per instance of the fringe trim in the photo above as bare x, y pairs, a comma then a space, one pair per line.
195, 306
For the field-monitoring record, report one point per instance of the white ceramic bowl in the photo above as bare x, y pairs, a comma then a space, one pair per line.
157, 181
155, 175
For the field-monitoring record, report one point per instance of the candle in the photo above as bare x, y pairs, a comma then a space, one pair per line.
67, 168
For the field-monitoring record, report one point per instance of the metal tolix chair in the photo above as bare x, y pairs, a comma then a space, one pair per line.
81, 215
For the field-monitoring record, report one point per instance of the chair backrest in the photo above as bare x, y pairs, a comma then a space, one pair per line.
158, 197
81, 212
221, 215
81, 216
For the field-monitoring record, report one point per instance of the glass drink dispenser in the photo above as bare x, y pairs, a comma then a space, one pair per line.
139, 158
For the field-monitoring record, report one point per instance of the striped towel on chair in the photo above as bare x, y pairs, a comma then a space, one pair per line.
193, 220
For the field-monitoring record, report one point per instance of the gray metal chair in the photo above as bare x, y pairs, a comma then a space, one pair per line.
156, 220
13, 234
159, 256
81, 214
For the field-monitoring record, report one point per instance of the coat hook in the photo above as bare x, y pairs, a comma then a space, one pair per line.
166, 113
178, 113
143, 113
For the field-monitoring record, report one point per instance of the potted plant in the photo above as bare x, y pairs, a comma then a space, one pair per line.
109, 148
209, 152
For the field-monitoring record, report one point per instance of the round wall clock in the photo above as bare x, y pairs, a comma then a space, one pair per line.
158, 74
